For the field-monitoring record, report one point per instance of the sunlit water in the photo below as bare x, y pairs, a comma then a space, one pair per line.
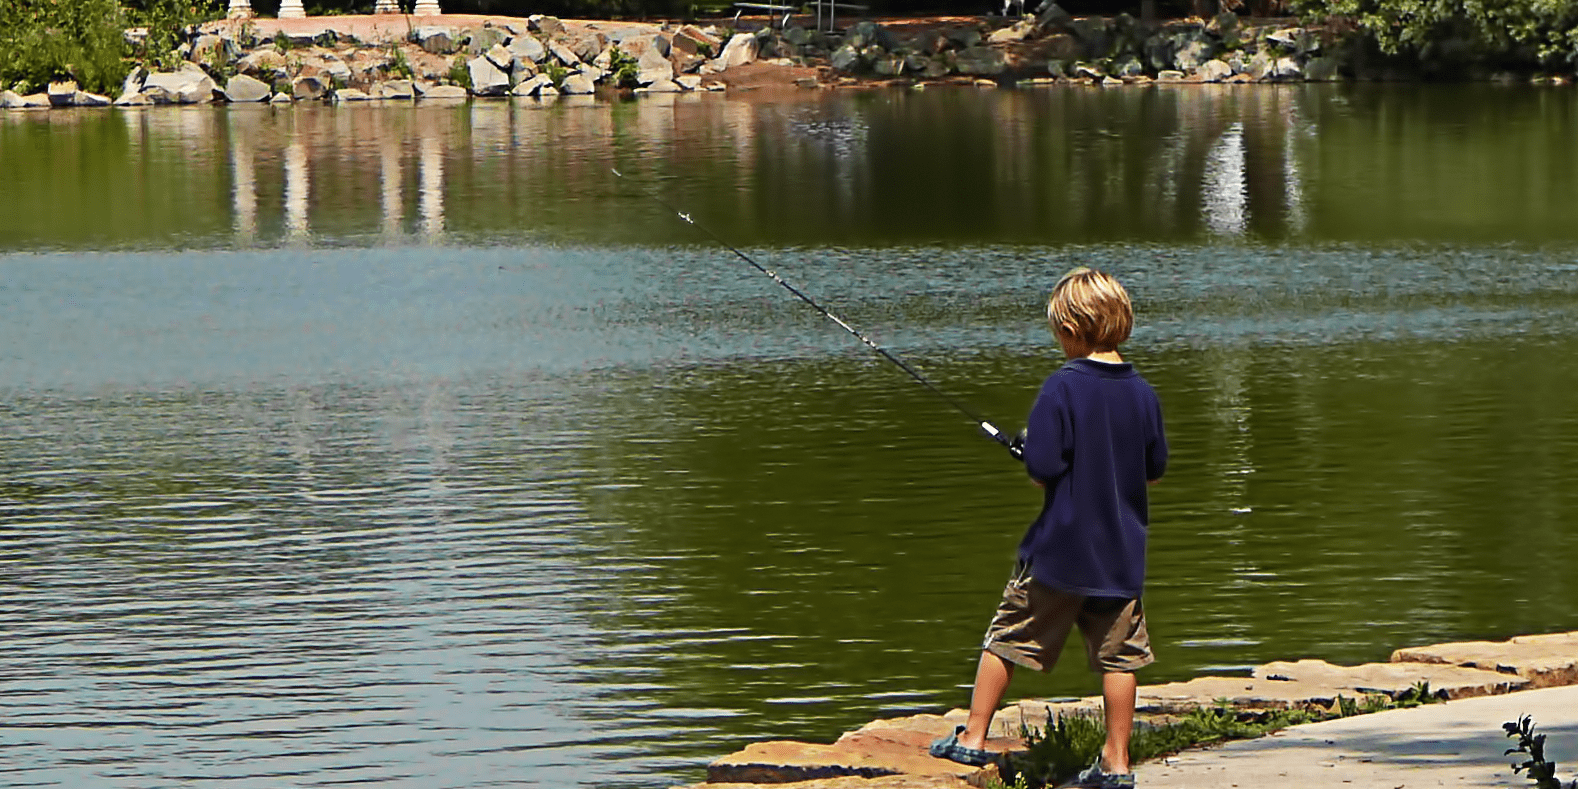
412, 448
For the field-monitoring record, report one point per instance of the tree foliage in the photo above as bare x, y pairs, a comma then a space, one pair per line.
46, 40
1540, 33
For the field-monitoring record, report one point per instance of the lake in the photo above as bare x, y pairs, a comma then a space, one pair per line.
411, 447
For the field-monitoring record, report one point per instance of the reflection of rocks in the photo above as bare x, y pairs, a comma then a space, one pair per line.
894, 750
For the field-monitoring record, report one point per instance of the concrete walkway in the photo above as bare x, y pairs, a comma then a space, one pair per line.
1457, 744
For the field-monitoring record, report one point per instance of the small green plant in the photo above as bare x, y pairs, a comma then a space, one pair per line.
398, 65
1415, 696
459, 74
625, 68
1019, 782
1540, 771
281, 41
704, 48
556, 73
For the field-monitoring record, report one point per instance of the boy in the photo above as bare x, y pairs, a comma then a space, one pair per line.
1094, 442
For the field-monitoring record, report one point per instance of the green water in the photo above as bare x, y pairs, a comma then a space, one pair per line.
409, 446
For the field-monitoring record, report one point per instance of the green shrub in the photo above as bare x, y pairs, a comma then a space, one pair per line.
1506, 32
625, 68
170, 23
45, 40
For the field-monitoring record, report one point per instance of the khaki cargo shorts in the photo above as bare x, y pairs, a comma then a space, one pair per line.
1033, 621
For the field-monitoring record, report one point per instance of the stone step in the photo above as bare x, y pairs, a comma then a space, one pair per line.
1391, 679
856, 782
1544, 660
863, 755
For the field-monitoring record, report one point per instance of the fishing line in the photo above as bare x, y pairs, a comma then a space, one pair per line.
990, 430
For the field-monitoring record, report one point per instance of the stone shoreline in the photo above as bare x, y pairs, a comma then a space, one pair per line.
403, 57
891, 754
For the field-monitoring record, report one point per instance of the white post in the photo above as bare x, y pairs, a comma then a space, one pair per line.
386, 7
240, 9
291, 9
246, 196
297, 187
393, 203
426, 8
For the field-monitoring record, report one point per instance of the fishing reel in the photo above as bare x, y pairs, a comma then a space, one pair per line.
1016, 446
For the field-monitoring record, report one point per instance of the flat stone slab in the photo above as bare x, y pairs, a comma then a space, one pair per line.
855, 754
1544, 660
853, 782
1390, 679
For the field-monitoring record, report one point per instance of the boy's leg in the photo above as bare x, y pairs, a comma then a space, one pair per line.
1118, 689
992, 675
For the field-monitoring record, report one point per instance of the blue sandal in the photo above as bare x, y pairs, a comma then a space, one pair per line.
950, 749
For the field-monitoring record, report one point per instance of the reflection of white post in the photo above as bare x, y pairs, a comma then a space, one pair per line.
246, 196
297, 186
393, 205
1293, 179
430, 200
240, 9
1224, 195
291, 9
426, 8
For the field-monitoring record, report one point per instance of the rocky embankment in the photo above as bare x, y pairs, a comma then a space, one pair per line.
368, 58
891, 754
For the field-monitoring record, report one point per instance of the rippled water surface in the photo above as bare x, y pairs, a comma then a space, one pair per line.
411, 448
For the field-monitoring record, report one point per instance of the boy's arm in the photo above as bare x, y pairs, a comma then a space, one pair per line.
1044, 459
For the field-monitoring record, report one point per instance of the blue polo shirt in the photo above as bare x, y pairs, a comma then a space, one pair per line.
1095, 438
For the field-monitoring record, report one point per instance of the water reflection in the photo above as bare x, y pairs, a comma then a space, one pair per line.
944, 166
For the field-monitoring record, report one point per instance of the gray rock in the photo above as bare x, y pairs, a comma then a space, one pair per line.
1013, 34
532, 86
587, 46
578, 84
1089, 71
1321, 69
1129, 67
1192, 54
741, 49
1285, 69
548, 92
35, 101
481, 39
501, 57
10, 99
522, 70
62, 94
444, 92
661, 86
265, 64
350, 94
201, 91
529, 48
547, 25
1259, 66
133, 84
1169, 75
563, 54
797, 36
981, 61
1213, 71
339, 73
486, 78
1053, 17
964, 38
888, 65
689, 81
845, 59
281, 98
244, 89
133, 100
307, 88
395, 89
653, 66
437, 40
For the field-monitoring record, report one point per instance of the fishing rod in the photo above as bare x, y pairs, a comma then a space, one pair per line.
1015, 446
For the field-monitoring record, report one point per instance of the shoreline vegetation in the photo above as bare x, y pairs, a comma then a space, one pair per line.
57, 58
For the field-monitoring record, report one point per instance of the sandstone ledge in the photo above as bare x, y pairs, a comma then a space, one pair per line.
891, 753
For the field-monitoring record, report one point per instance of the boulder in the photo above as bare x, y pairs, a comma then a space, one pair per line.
500, 57
661, 86
1285, 70
350, 94
444, 92
844, 59
1128, 68
579, 83
1013, 34
394, 89
437, 40
981, 61
587, 46
280, 97
61, 94
86, 99
308, 88
741, 49
133, 100
547, 25
696, 41
1169, 75
1052, 16
529, 48
533, 86
266, 64
689, 81
1213, 71
10, 99
486, 78
563, 54
244, 89
481, 39
1192, 54
1223, 25
855, 754
653, 66
35, 101
133, 83
963, 38
1259, 66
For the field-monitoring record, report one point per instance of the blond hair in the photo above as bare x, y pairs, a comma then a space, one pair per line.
1091, 307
